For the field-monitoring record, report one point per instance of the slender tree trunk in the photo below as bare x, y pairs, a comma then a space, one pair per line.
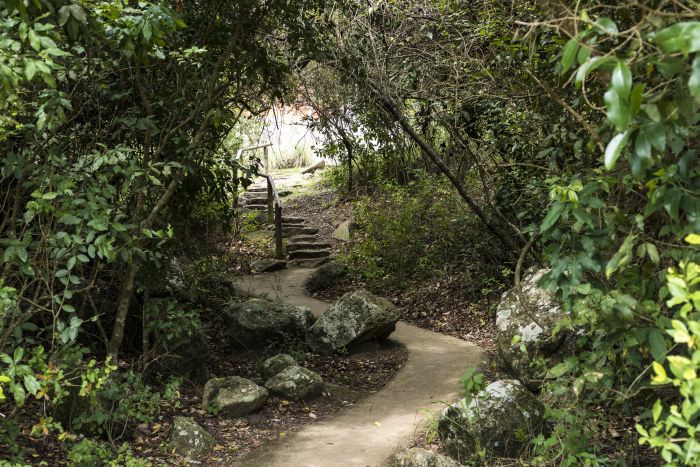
348, 149
122, 310
394, 111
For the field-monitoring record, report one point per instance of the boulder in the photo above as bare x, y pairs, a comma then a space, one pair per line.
267, 265
277, 364
343, 231
257, 322
233, 396
190, 440
296, 384
500, 419
418, 457
326, 276
356, 318
525, 334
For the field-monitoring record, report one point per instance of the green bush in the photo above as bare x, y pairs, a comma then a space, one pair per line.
410, 233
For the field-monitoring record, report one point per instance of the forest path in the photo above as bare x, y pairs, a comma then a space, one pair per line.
367, 433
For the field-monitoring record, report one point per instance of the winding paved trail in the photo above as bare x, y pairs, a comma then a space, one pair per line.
367, 433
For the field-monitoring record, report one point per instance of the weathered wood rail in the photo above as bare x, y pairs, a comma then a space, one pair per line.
274, 203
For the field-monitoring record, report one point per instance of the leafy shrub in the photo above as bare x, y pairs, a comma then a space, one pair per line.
90, 453
404, 232
110, 403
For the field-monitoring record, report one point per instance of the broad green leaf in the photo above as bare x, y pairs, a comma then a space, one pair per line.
78, 13
681, 37
694, 80
552, 217
636, 98
589, 66
31, 384
607, 26
622, 79
653, 253
30, 69
657, 344
693, 239
63, 15
569, 54
618, 109
642, 146
614, 149
656, 134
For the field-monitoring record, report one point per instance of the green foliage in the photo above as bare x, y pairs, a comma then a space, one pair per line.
403, 232
472, 382
673, 427
89, 453
610, 232
111, 403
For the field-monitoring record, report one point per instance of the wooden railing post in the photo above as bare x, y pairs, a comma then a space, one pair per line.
279, 252
266, 159
270, 202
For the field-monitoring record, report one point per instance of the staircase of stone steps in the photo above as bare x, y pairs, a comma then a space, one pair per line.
304, 247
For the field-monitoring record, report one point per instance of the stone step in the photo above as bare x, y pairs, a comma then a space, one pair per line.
293, 220
308, 263
259, 207
290, 225
309, 254
294, 231
307, 246
302, 239
257, 189
254, 200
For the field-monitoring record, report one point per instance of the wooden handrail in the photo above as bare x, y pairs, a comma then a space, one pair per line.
274, 203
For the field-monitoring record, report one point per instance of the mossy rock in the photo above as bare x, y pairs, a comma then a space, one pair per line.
501, 420
326, 276
190, 440
233, 396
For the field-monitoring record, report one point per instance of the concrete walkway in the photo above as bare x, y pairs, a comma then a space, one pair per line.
367, 433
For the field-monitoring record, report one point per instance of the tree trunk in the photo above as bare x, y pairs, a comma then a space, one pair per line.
348, 149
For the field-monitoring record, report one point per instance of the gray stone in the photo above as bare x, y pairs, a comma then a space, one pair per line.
343, 231
356, 318
268, 265
277, 364
418, 457
318, 165
327, 276
233, 396
525, 334
296, 383
190, 440
500, 419
257, 322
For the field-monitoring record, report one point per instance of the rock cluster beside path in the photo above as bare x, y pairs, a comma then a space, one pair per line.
355, 318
